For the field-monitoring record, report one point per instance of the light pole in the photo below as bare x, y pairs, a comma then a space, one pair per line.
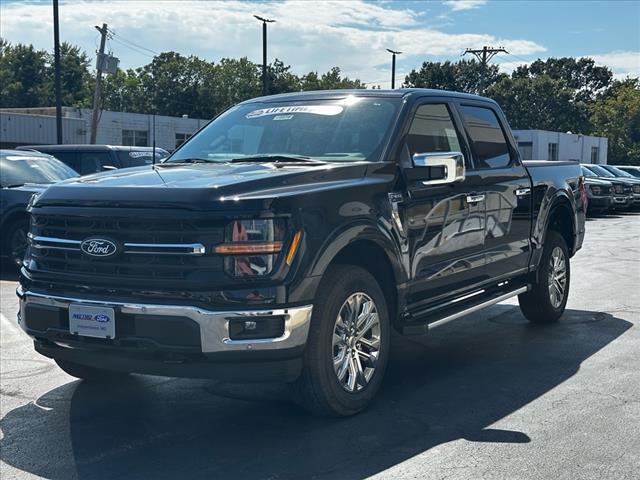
264, 51
56, 70
393, 67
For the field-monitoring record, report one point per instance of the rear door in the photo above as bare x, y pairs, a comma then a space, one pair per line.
506, 187
446, 223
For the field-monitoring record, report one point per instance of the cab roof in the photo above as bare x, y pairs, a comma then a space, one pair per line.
360, 92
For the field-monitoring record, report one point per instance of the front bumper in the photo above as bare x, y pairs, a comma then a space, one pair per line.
171, 340
622, 201
600, 202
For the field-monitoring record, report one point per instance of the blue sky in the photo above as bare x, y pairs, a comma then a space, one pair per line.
350, 34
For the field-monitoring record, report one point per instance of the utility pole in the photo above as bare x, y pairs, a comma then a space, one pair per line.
393, 67
484, 55
56, 67
96, 94
264, 52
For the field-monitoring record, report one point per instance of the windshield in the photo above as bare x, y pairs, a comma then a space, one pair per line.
617, 172
349, 129
18, 170
635, 172
136, 158
601, 172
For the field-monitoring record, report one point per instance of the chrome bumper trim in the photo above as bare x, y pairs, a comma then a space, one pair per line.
214, 325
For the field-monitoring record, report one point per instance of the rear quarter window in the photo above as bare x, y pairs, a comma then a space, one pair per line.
489, 142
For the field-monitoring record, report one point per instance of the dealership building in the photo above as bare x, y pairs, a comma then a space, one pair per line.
32, 126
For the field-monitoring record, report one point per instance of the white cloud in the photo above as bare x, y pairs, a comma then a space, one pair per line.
307, 35
460, 5
623, 64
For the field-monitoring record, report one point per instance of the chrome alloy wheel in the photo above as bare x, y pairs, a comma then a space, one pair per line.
557, 277
356, 342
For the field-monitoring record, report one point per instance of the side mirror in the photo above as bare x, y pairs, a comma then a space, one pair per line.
444, 167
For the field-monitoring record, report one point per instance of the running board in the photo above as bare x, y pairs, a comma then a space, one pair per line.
463, 306
477, 307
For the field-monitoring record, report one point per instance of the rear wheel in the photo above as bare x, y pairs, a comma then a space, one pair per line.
88, 373
546, 301
348, 344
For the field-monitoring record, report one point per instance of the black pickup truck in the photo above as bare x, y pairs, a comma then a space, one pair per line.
287, 238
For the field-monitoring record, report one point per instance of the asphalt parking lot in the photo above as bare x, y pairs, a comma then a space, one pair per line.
488, 396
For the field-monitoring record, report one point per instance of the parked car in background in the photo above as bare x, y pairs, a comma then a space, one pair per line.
622, 189
635, 182
21, 175
286, 240
630, 169
87, 159
599, 195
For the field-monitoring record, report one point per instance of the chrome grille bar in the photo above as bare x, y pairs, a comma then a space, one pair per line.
135, 248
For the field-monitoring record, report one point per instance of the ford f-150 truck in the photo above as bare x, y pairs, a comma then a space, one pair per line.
290, 236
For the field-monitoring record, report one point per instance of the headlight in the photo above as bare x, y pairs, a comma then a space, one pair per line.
595, 189
252, 246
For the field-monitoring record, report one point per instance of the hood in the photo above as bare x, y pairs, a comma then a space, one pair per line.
597, 181
31, 187
199, 186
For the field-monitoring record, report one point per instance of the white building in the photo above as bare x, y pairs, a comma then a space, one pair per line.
545, 145
30, 126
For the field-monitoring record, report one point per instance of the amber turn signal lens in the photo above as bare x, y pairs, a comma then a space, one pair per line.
248, 248
294, 247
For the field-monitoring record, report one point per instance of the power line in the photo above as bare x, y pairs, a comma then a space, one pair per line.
123, 39
484, 55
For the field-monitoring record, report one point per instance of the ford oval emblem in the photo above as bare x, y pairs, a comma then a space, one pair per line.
98, 247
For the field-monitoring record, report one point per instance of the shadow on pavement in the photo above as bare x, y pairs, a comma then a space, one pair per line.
8, 271
453, 384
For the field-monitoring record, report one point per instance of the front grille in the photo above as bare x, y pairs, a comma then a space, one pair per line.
162, 249
618, 189
636, 189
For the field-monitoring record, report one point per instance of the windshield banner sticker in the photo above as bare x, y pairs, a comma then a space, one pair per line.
313, 109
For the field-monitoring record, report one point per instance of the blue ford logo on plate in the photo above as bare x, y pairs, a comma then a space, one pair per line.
98, 247
101, 318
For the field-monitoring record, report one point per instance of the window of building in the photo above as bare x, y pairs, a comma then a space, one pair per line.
553, 151
595, 154
489, 142
526, 150
181, 138
432, 131
135, 138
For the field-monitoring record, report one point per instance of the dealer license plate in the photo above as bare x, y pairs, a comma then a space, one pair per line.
89, 321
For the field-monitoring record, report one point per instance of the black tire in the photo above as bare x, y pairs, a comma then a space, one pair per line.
538, 305
318, 389
89, 373
16, 241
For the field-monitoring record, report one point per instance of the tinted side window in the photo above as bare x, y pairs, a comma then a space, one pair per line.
92, 162
432, 130
487, 136
68, 158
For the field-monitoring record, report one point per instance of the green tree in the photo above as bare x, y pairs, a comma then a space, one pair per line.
24, 76
581, 75
76, 81
537, 103
617, 116
280, 78
331, 80
461, 76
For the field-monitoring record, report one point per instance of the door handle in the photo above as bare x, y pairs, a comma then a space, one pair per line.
521, 192
473, 198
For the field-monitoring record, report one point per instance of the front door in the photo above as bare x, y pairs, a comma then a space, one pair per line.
446, 224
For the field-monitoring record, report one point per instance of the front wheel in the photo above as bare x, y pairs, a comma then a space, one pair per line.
547, 299
348, 344
17, 241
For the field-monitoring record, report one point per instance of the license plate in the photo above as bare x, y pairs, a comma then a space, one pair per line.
88, 321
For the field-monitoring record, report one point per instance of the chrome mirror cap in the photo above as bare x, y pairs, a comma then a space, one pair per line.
452, 162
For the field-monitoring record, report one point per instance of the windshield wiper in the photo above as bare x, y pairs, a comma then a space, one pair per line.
182, 161
276, 159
